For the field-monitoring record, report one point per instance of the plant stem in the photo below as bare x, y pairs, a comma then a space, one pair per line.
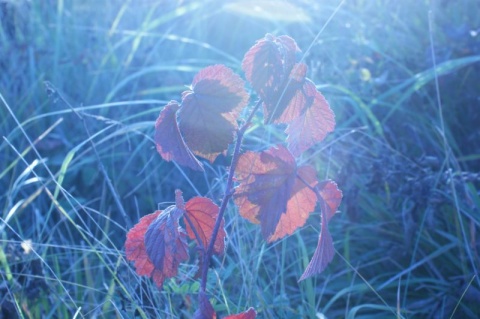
312, 188
226, 197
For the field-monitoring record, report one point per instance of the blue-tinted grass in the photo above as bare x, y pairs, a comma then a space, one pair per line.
406, 236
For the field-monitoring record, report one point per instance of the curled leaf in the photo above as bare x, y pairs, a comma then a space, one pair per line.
330, 198
207, 118
267, 66
169, 141
272, 194
288, 96
263, 67
323, 254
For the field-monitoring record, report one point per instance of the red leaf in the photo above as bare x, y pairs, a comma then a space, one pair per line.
268, 65
135, 245
299, 206
263, 67
249, 314
271, 193
311, 127
207, 118
157, 245
206, 310
288, 96
288, 47
330, 199
202, 213
289, 103
331, 195
323, 253
169, 141
292, 102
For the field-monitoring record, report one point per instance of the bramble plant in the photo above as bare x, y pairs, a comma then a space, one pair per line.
272, 190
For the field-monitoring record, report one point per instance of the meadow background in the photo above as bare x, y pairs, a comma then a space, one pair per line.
82, 82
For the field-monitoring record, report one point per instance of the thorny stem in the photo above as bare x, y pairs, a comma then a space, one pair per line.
226, 197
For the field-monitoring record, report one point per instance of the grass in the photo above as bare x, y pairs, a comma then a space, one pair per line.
402, 79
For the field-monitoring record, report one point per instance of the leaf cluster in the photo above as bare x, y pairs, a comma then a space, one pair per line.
272, 190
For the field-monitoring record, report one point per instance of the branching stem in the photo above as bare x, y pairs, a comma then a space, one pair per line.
226, 197
312, 188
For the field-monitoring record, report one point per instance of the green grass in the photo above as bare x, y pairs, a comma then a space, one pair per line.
406, 153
